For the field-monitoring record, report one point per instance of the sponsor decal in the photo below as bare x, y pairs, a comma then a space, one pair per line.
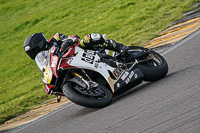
87, 38
54, 62
27, 48
96, 65
47, 75
56, 36
117, 72
70, 61
126, 77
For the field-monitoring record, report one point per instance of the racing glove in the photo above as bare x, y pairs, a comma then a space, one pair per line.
71, 40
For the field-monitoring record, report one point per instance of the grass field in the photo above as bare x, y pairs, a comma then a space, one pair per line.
131, 22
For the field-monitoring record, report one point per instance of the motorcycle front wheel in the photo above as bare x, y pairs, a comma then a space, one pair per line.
98, 98
154, 69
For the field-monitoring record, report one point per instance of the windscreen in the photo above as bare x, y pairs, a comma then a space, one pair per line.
41, 60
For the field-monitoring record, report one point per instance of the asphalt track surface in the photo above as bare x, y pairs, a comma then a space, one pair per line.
170, 105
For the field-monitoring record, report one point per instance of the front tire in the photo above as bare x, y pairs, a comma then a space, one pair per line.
154, 69
84, 100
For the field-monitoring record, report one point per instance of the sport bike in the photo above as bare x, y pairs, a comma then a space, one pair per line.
91, 78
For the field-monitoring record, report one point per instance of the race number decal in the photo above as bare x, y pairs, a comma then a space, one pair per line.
88, 56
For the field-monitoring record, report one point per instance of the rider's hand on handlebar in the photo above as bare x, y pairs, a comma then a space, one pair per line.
68, 42
123, 50
65, 45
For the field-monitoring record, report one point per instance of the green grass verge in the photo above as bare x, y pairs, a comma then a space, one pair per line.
131, 22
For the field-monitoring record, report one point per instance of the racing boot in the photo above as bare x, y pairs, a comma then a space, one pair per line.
118, 47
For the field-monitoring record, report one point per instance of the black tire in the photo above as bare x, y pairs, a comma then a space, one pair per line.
154, 71
86, 101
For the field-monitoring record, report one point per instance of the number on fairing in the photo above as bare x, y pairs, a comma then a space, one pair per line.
88, 56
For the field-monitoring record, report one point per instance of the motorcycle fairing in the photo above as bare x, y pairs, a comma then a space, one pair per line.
125, 78
48, 88
63, 63
89, 59
42, 62
53, 60
47, 75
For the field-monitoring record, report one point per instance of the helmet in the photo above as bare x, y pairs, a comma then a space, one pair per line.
34, 44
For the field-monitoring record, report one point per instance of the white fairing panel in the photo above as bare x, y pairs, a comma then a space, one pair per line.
88, 59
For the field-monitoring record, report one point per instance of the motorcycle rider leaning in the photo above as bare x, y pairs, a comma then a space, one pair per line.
37, 42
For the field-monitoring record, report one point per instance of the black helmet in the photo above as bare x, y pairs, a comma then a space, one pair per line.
34, 44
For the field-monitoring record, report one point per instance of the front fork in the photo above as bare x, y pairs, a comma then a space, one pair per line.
90, 84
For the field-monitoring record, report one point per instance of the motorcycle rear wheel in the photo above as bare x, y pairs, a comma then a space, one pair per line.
154, 69
85, 100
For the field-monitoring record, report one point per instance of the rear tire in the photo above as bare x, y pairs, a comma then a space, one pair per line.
91, 102
154, 69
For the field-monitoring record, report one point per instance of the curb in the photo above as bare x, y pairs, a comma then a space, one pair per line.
36, 113
175, 33
178, 30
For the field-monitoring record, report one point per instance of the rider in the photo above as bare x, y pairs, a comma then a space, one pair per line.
37, 42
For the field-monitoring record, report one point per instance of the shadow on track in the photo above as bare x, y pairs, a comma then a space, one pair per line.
138, 89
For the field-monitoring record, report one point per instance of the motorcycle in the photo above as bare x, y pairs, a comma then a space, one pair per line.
91, 78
